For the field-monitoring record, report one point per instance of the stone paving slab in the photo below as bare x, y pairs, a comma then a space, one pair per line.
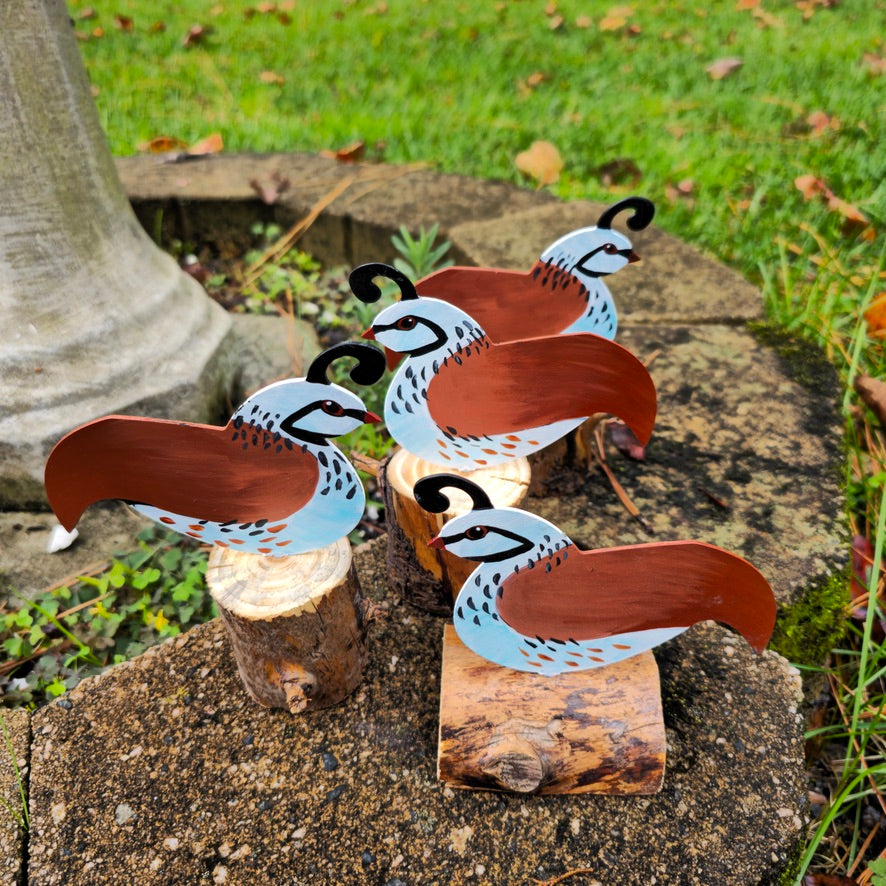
674, 283
18, 728
180, 777
751, 465
211, 198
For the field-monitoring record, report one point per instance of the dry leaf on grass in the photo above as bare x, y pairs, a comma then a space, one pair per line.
616, 18
163, 144
351, 153
271, 77
875, 317
212, 144
542, 162
122, 22
619, 171
811, 186
723, 67
195, 36
874, 64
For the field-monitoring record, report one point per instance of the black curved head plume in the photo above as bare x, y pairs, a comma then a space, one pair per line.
427, 492
644, 210
370, 366
362, 286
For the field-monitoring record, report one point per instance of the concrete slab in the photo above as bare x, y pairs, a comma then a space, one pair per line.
211, 199
674, 283
742, 456
180, 777
14, 764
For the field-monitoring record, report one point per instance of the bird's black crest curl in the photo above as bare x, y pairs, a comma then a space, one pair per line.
362, 285
370, 366
644, 211
427, 492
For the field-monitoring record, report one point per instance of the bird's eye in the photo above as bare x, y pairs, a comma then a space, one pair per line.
330, 407
610, 248
476, 532
406, 323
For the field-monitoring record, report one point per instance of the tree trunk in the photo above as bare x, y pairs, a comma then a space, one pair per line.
96, 318
599, 731
297, 624
427, 577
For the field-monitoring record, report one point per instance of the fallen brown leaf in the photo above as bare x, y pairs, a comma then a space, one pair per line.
583, 22
542, 162
157, 28
196, 35
625, 441
875, 317
351, 153
810, 186
122, 22
766, 19
723, 67
616, 18
271, 77
874, 64
212, 144
819, 121
556, 22
86, 13
270, 193
747, 4
619, 171
163, 144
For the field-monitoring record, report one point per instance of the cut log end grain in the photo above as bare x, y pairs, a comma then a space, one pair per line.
297, 624
428, 577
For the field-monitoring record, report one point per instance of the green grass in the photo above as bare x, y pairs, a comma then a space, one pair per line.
466, 86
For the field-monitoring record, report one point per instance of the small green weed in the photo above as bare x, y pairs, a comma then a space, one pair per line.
20, 815
71, 632
418, 255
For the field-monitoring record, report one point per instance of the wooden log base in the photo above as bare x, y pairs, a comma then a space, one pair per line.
297, 624
424, 576
565, 463
599, 731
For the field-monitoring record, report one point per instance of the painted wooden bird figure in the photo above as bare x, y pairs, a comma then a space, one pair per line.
461, 399
564, 290
268, 482
537, 603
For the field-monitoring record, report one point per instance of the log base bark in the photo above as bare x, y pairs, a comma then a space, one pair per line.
424, 576
297, 624
563, 463
598, 731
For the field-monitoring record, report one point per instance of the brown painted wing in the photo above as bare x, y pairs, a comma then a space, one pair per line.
595, 594
200, 471
511, 305
509, 387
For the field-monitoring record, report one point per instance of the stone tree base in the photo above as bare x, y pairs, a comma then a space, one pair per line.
96, 318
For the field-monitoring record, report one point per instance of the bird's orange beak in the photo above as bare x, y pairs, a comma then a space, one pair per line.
437, 543
369, 335
371, 418
632, 257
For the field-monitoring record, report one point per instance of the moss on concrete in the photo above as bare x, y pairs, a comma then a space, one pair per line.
808, 629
